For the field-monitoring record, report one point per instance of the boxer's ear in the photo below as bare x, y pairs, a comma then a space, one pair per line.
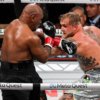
75, 27
33, 16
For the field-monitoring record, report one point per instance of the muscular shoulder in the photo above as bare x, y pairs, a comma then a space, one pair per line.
93, 32
92, 29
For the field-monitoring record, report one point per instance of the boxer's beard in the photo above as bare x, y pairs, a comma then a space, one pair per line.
70, 34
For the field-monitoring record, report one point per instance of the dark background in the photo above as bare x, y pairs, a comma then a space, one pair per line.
10, 11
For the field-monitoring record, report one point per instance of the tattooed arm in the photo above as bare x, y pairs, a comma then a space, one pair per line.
87, 63
93, 32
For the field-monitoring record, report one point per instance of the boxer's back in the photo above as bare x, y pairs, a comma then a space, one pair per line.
14, 46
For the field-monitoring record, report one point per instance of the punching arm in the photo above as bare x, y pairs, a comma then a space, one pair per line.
66, 45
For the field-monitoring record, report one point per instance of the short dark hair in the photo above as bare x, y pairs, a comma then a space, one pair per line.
74, 19
78, 7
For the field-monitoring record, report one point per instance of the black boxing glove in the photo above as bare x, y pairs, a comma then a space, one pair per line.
66, 45
49, 32
48, 28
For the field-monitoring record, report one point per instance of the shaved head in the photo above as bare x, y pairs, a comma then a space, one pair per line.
32, 15
33, 9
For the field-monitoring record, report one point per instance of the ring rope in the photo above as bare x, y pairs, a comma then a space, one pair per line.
50, 86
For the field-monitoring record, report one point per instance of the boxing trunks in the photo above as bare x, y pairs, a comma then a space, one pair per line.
21, 72
91, 76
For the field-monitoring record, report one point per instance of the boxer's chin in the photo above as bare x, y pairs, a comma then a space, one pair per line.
71, 34
65, 35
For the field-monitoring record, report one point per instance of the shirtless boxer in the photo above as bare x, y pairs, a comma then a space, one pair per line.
19, 49
87, 48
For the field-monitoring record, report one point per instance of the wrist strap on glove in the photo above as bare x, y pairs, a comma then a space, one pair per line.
49, 41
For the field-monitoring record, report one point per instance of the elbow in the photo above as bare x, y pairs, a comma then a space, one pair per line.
44, 59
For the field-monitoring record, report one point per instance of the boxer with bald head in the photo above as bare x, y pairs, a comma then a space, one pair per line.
19, 49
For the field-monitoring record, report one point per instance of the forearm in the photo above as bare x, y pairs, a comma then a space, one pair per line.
56, 51
48, 49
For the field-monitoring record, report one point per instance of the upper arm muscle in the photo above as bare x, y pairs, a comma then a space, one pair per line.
37, 49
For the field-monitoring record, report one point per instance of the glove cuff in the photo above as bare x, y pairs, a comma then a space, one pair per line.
49, 41
60, 44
